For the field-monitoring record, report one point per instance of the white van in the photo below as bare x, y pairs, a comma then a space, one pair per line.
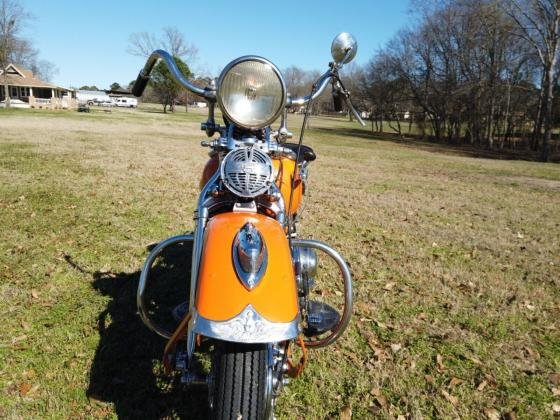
126, 102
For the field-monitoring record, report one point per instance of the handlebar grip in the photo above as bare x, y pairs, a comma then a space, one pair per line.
140, 84
337, 100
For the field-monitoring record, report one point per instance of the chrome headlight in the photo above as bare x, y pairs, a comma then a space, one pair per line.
251, 92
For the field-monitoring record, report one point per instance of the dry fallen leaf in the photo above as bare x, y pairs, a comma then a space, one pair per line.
389, 286
35, 294
556, 409
345, 413
105, 269
382, 401
556, 392
492, 414
19, 338
474, 360
396, 347
24, 388
482, 385
455, 381
439, 361
376, 392
529, 305
554, 378
429, 379
529, 352
453, 400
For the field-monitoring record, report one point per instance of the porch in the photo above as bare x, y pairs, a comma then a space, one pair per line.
42, 97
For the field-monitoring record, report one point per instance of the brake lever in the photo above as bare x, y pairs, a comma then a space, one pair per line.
344, 94
351, 108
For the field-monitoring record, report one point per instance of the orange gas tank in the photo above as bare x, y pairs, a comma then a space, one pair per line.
283, 172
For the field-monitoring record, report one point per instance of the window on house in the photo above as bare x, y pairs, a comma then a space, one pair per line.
14, 91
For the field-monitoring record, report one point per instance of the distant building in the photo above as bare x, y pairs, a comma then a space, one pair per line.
92, 97
27, 91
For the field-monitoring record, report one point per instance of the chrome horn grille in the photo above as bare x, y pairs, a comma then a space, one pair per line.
247, 172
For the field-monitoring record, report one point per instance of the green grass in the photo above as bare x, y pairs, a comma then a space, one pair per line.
455, 263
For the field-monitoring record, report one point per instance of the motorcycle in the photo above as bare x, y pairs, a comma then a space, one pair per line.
249, 297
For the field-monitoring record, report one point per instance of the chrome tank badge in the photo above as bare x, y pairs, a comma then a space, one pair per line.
250, 256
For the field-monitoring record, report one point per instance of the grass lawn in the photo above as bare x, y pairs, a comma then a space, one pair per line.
456, 265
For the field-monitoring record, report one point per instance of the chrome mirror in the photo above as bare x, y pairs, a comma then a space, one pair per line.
344, 48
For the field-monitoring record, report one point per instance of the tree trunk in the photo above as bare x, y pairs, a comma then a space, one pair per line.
545, 150
537, 126
6, 87
507, 122
490, 127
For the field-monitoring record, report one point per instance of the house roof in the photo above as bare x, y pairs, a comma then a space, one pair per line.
18, 76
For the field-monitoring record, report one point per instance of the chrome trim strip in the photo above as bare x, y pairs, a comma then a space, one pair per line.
247, 327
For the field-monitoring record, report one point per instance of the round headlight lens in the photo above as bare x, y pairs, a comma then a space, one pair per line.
251, 92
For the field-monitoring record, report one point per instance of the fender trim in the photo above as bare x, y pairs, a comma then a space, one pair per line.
246, 327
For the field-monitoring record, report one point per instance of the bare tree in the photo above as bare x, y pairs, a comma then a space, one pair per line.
142, 44
12, 20
538, 23
44, 70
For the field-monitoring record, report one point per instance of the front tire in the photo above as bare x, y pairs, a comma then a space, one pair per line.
239, 381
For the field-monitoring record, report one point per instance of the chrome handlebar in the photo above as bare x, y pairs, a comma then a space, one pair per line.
144, 76
321, 84
209, 93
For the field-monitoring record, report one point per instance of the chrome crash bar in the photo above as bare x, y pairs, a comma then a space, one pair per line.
144, 277
348, 299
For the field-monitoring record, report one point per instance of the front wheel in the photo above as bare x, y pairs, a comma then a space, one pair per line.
239, 388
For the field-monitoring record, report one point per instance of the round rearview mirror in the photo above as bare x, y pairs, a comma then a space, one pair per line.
344, 48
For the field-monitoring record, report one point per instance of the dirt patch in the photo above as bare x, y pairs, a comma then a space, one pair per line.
548, 184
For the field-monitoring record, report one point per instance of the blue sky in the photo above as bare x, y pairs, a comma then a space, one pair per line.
87, 40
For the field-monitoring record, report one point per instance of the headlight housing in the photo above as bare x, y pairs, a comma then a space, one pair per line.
251, 92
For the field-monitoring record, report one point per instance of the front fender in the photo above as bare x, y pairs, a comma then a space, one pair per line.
227, 310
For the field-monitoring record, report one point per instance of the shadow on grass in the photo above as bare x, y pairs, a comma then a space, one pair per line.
126, 370
464, 150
